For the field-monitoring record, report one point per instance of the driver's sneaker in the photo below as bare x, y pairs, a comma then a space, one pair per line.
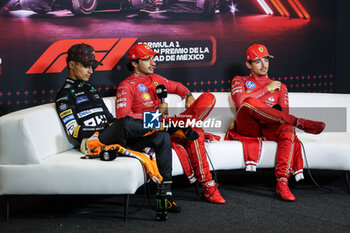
212, 193
282, 190
309, 126
172, 206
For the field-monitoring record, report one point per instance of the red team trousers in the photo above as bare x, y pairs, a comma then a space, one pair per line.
192, 154
256, 119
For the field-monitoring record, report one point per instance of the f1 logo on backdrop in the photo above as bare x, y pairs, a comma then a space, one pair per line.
109, 51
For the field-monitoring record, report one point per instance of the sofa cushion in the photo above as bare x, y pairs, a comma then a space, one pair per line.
333, 109
325, 151
66, 173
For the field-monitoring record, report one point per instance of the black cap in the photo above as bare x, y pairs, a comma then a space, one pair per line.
83, 53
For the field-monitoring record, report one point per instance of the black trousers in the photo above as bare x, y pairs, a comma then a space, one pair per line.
128, 132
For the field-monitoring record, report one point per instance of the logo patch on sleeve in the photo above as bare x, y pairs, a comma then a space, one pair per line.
66, 113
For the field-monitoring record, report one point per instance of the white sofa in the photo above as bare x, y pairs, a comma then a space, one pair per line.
36, 157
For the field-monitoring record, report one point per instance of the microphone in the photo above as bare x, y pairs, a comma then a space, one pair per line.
161, 92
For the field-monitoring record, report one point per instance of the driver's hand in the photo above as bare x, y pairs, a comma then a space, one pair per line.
163, 108
274, 85
189, 101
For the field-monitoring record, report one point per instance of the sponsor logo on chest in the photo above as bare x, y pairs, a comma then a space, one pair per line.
88, 112
81, 99
142, 87
250, 84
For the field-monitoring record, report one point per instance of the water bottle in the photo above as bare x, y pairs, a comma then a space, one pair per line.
161, 203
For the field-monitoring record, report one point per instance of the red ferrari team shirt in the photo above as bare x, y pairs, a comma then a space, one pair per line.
137, 94
255, 86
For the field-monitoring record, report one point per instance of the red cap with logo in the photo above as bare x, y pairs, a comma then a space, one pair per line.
141, 51
257, 51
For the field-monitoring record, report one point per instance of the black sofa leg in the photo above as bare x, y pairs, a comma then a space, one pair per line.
347, 180
147, 189
126, 207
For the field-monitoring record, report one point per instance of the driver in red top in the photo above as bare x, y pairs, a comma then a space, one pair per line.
137, 94
263, 112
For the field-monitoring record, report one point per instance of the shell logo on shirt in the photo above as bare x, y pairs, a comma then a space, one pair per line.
250, 84
146, 96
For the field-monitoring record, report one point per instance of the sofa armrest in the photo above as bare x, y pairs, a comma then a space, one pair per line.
15, 146
31, 135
